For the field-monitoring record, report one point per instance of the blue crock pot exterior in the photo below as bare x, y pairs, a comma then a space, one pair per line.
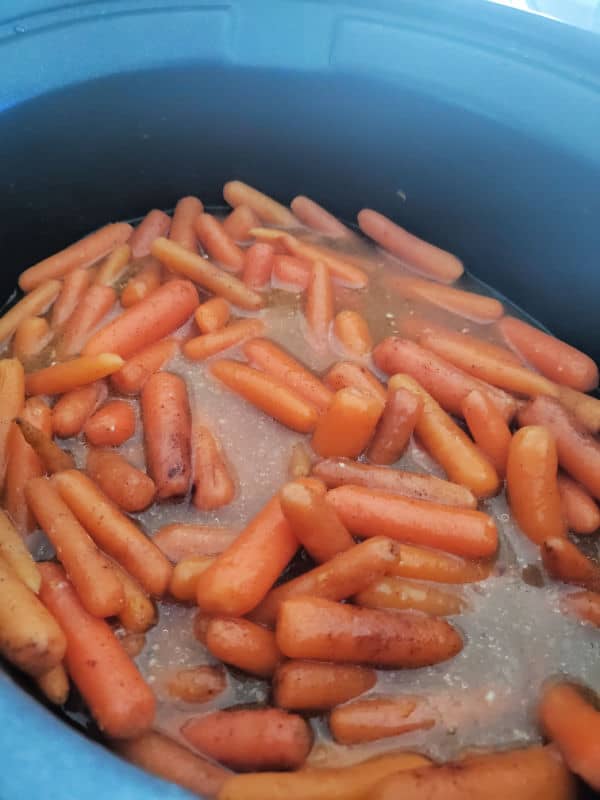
473, 125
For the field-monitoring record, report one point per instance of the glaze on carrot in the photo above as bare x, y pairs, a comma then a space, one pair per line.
182, 225
310, 686
425, 564
399, 593
128, 487
111, 425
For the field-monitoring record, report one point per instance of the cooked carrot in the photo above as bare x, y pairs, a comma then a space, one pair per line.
584, 407
580, 510
118, 697
488, 428
475, 307
202, 272
258, 265
15, 553
53, 458
197, 684
31, 336
12, 400
90, 572
372, 512
534, 772
237, 193
337, 265
348, 375
182, 225
138, 613
148, 321
240, 222
316, 217
347, 426
578, 451
243, 644
265, 738
291, 273
399, 593
344, 575
169, 760
269, 357
55, 685
80, 254
314, 522
216, 242
432, 565
313, 686
140, 285
392, 435
213, 483
268, 393
565, 562
74, 408
181, 540
73, 289
319, 308
30, 637
133, 643
300, 463
40, 299
447, 384
111, 425
115, 533
213, 315
352, 332
91, 310
557, 360
311, 627
585, 605
128, 487
184, 580
113, 266
240, 577
24, 463
156, 223
573, 723
448, 444
209, 344
61, 378
378, 718
134, 373
531, 479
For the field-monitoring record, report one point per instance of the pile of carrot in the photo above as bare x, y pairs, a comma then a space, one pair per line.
92, 351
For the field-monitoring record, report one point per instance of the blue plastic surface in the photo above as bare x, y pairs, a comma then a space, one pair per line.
471, 124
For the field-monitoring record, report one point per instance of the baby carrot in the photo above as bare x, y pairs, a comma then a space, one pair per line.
12, 400
488, 428
93, 307
37, 302
80, 254
320, 305
392, 435
113, 266
53, 458
448, 444
258, 265
213, 315
344, 575
239, 222
182, 225
531, 478
585, 605
352, 332
209, 344
475, 307
243, 644
118, 697
432, 565
313, 686
140, 285
580, 510
268, 393
138, 613
348, 375
573, 724
269, 357
115, 533
565, 562
197, 684
128, 487
311, 627
134, 373
300, 463
584, 407
61, 378
156, 316
156, 223
30, 637
291, 273
73, 289
201, 271
338, 267
181, 540
184, 580
347, 426
313, 521
266, 738
111, 425
213, 484
74, 408
237, 193
31, 336
399, 593
557, 360
378, 718
55, 685
15, 553
216, 242
316, 217
88, 569
371, 512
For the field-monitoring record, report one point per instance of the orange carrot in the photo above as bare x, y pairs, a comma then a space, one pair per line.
240, 222
392, 435
269, 357
134, 373
158, 315
432, 565
213, 484
201, 271
213, 315
15, 553
184, 580
573, 723
156, 223
182, 225
352, 332
89, 570
378, 718
258, 265
31, 336
243, 644
113, 266
62, 378
314, 686
115, 533
556, 360
370, 512
120, 701
269, 394
80, 254
167, 431
74, 408
12, 399
197, 684
209, 344
585, 605
73, 289
531, 478
112, 425
580, 510
128, 487
311, 627
140, 285
399, 593
565, 562
133, 643
338, 267
55, 685
265, 738
181, 540
29, 306
316, 217
237, 193
448, 444
138, 613
216, 242
93, 307
584, 407
53, 458
347, 426
291, 273
488, 428
319, 308
475, 307
348, 375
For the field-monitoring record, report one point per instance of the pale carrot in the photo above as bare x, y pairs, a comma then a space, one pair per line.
488, 428
396, 425
118, 697
53, 458
339, 268
31, 336
352, 332
113, 266
300, 463
55, 685
156, 223
184, 580
379, 718
15, 553
111, 425
12, 400
240, 222
197, 684
475, 307
347, 426
128, 487
399, 593
237, 193
133, 643
182, 225
74, 408
243, 644
348, 375
134, 373
580, 510
316, 217
209, 344
565, 562
258, 265
314, 686
143, 283
213, 315
431, 565
40, 299
95, 304
138, 613
584, 407
73, 289
320, 306
182, 540
213, 483
62, 378
585, 605
291, 273
80, 254
216, 242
